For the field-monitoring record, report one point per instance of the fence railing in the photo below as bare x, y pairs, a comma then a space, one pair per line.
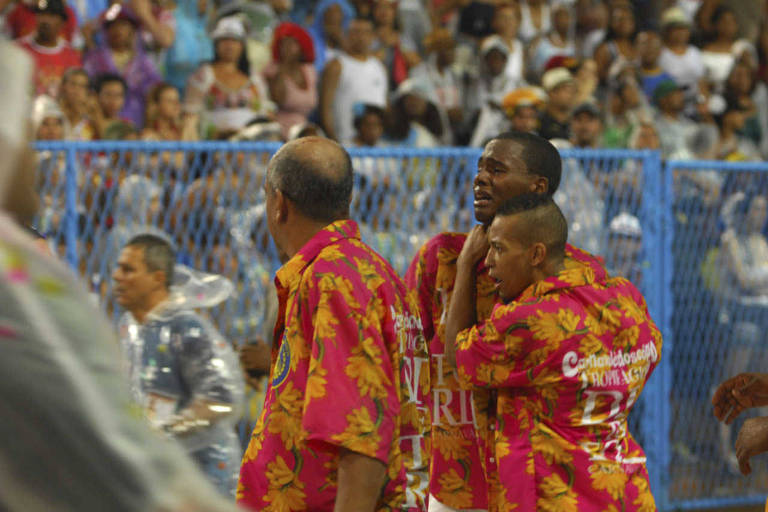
650, 222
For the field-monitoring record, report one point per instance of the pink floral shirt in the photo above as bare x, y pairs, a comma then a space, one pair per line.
349, 370
568, 359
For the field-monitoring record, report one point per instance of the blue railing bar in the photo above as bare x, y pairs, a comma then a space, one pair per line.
718, 165
720, 502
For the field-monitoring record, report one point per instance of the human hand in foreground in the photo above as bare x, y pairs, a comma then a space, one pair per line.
738, 393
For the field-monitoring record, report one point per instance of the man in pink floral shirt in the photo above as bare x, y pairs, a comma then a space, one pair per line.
568, 351
345, 423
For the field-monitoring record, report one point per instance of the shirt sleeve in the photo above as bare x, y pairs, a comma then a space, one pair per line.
492, 354
350, 371
420, 280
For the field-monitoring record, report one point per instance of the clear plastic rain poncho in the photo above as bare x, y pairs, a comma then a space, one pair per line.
71, 438
186, 376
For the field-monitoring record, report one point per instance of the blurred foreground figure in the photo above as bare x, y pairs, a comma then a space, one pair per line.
72, 439
183, 374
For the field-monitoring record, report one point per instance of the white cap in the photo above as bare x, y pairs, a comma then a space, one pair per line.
45, 107
494, 42
626, 224
555, 77
229, 27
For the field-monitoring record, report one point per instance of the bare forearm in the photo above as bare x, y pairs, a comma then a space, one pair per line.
360, 480
461, 311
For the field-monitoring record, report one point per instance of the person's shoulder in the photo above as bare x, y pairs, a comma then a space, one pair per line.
450, 241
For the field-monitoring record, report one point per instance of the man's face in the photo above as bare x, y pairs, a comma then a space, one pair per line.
360, 36
501, 175
49, 27
112, 99
673, 102
679, 35
508, 259
648, 45
563, 95
526, 119
505, 22
52, 128
74, 90
133, 281
586, 129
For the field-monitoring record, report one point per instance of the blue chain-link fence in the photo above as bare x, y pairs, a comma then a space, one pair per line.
660, 226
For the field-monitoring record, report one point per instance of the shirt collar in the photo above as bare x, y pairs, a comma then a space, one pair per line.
291, 271
580, 269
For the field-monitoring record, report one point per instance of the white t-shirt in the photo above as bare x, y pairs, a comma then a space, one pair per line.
360, 82
685, 69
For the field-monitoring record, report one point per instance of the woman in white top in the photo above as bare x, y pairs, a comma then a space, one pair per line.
506, 22
617, 50
720, 53
679, 59
534, 19
559, 41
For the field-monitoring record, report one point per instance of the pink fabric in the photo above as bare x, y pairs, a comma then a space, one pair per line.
568, 360
349, 370
299, 102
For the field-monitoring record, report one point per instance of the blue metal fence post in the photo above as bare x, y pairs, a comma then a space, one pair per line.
70, 191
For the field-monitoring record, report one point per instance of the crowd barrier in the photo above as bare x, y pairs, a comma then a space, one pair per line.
659, 224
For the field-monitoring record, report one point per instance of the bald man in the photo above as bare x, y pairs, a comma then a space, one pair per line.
345, 417
568, 352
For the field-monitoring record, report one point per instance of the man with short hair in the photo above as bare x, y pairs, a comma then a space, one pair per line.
561, 92
182, 372
52, 53
511, 164
568, 352
345, 420
353, 77
586, 126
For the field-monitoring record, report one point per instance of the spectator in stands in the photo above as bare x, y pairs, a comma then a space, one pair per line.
624, 251
331, 19
396, 51
369, 125
353, 77
506, 22
164, 119
594, 22
222, 92
560, 89
182, 373
743, 88
731, 145
558, 41
487, 91
124, 56
650, 73
190, 45
78, 105
441, 76
586, 127
22, 20
762, 52
156, 26
680, 137
47, 119
586, 80
681, 60
626, 109
522, 107
291, 76
724, 49
111, 91
617, 52
414, 121
52, 53
535, 20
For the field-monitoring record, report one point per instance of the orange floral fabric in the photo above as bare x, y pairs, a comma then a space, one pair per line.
348, 371
568, 358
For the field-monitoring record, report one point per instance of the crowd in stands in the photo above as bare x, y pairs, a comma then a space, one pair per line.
417, 73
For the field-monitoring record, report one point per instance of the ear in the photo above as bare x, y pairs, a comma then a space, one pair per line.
538, 254
540, 185
158, 277
283, 207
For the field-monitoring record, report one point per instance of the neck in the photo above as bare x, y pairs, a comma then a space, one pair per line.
549, 269
226, 66
558, 110
154, 299
164, 123
71, 112
358, 55
301, 233
649, 66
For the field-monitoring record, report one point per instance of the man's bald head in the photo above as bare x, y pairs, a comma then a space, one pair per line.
315, 173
